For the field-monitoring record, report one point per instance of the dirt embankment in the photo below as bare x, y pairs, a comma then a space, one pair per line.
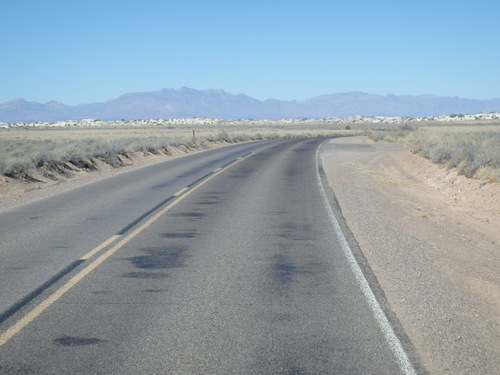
47, 181
432, 238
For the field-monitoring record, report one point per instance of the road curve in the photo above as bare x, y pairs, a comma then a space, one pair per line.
223, 262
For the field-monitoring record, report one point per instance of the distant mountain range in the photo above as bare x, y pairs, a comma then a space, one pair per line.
185, 102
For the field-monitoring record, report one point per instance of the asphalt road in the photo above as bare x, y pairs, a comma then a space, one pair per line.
222, 262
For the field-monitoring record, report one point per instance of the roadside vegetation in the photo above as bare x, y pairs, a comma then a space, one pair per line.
58, 151
472, 149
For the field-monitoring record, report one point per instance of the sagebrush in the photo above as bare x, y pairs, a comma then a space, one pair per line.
25, 150
473, 150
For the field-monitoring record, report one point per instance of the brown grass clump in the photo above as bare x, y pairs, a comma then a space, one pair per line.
56, 151
473, 150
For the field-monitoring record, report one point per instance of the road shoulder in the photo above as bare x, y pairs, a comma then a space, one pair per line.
431, 238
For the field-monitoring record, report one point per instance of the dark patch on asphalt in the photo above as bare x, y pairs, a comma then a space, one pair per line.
209, 202
216, 193
242, 173
190, 216
294, 370
278, 212
283, 269
161, 186
291, 174
154, 290
187, 234
145, 275
301, 150
160, 258
210, 198
298, 232
76, 341
238, 175
280, 318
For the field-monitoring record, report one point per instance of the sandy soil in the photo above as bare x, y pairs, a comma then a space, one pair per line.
432, 239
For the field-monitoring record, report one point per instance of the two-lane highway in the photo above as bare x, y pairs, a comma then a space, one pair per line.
222, 262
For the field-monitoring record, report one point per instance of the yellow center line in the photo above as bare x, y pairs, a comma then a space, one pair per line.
181, 191
37, 310
91, 253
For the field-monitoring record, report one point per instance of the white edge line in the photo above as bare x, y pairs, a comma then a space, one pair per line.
394, 343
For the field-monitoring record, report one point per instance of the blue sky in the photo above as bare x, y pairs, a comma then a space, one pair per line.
87, 51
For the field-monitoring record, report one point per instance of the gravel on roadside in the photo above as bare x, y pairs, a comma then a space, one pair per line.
436, 257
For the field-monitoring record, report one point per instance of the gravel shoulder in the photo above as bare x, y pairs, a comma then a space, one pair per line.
432, 240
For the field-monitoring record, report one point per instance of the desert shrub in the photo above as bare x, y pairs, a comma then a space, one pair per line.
13, 167
24, 150
407, 128
400, 133
469, 152
475, 153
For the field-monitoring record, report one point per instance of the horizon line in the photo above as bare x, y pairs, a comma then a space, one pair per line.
222, 90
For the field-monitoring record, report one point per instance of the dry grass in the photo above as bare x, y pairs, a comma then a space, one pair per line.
472, 149
23, 150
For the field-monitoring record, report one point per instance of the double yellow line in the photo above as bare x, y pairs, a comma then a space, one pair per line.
179, 196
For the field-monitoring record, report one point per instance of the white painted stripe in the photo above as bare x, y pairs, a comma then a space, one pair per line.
386, 328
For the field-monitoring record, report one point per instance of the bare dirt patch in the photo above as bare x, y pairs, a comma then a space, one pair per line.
432, 239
